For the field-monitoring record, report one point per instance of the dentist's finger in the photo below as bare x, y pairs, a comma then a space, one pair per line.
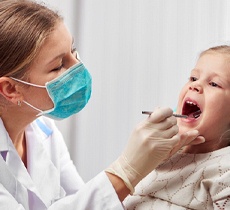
198, 140
186, 139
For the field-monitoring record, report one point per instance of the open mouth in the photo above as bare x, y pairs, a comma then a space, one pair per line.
191, 109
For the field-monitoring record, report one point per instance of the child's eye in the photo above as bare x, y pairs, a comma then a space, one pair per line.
213, 84
58, 68
192, 79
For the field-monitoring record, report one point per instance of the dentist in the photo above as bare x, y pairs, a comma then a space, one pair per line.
42, 79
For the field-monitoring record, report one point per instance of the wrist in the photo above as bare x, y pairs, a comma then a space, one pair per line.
120, 187
122, 169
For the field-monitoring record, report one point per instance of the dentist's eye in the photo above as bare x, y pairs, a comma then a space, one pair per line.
192, 79
73, 50
58, 68
75, 53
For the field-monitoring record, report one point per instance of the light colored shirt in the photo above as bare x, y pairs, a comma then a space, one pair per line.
50, 180
186, 181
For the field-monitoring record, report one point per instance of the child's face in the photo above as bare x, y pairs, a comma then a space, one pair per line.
208, 89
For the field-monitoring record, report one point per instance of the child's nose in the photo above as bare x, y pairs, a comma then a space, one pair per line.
196, 87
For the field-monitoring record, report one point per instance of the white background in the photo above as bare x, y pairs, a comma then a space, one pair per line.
139, 53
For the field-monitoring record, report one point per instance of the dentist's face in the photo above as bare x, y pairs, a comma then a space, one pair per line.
208, 90
55, 57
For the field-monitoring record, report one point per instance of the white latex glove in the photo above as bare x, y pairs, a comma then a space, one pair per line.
153, 141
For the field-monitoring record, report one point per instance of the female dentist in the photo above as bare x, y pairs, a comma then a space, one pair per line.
41, 78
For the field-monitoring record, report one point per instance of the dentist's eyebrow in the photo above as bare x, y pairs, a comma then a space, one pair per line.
57, 57
60, 55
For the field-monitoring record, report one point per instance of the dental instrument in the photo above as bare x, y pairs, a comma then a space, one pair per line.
194, 115
175, 115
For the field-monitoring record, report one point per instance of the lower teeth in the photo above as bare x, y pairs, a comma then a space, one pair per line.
195, 114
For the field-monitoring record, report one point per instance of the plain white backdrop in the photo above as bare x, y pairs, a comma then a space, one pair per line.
140, 54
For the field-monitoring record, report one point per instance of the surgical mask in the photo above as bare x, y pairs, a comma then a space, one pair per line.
69, 92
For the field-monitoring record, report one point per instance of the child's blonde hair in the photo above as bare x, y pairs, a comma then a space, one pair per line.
223, 49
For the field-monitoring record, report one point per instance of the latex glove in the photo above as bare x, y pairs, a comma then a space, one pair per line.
187, 139
152, 142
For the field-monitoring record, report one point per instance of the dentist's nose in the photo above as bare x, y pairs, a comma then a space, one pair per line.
73, 59
196, 87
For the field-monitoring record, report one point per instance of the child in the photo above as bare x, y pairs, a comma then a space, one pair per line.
197, 177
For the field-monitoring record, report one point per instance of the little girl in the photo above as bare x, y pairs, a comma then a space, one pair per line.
197, 177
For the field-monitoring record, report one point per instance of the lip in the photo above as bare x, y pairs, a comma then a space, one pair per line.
190, 119
185, 111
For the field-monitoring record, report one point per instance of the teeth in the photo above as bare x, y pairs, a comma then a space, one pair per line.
191, 103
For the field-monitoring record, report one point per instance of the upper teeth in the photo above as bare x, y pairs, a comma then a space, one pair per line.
191, 103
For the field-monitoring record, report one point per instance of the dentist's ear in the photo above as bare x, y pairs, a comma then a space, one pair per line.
10, 90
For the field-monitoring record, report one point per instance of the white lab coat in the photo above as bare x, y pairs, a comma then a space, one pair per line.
50, 180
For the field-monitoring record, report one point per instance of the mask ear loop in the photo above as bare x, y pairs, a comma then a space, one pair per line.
39, 110
19, 103
27, 83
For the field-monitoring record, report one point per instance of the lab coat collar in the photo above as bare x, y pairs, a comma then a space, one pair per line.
43, 179
4, 136
42, 170
14, 176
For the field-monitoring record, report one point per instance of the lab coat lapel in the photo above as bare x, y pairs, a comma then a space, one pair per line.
42, 171
14, 176
11, 184
26, 190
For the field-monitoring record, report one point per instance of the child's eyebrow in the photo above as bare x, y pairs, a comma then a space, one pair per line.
195, 70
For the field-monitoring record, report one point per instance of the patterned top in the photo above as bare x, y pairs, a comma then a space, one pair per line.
186, 181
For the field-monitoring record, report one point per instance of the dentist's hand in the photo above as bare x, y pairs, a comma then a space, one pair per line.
188, 138
153, 141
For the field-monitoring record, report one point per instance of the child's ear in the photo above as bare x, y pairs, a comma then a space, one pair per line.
10, 90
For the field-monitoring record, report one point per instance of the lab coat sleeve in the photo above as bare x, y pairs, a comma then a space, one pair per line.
97, 194
7, 201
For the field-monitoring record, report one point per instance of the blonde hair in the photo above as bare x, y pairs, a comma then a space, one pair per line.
24, 26
222, 49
